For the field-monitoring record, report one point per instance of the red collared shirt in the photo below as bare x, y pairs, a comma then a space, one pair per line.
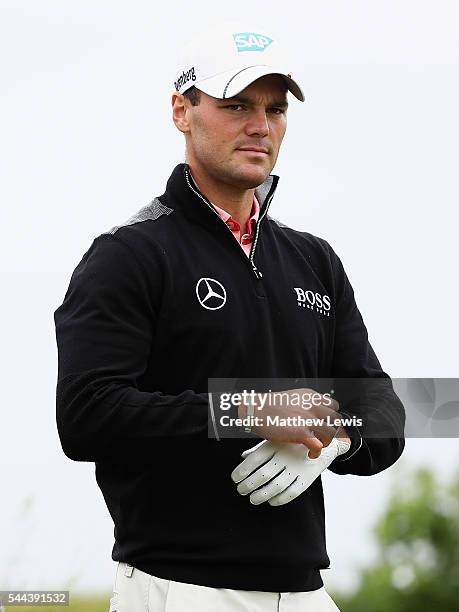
244, 239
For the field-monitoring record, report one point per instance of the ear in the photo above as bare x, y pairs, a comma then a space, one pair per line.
180, 112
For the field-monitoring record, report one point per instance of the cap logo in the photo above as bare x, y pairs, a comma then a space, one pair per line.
184, 78
250, 41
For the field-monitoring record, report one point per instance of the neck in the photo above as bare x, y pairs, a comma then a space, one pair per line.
238, 203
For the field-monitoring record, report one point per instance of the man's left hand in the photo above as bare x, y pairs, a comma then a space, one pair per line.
295, 470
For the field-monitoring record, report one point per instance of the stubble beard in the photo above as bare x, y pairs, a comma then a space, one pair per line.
232, 173
228, 171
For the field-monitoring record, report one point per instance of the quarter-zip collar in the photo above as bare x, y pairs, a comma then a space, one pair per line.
183, 194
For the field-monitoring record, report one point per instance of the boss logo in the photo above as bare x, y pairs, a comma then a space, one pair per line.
250, 41
313, 300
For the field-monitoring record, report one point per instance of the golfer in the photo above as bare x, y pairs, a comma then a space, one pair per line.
214, 509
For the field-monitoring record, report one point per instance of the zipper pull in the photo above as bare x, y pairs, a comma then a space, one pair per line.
257, 272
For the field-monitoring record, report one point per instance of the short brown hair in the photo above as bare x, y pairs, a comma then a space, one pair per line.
193, 95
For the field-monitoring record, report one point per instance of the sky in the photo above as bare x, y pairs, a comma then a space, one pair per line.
369, 163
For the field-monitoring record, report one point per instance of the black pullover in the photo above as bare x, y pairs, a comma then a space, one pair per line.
136, 350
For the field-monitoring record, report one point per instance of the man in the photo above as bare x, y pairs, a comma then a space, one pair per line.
200, 285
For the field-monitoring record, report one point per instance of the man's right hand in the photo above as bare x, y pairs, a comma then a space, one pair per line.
288, 407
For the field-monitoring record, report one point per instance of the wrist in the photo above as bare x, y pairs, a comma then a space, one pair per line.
249, 411
242, 411
342, 434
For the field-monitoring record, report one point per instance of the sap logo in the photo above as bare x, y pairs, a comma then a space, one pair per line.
249, 41
314, 301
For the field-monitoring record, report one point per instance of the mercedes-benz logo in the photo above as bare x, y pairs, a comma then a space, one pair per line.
210, 293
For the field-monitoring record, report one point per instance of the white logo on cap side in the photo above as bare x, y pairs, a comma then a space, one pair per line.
211, 293
189, 75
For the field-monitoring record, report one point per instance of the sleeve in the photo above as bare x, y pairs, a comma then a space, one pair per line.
105, 332
364, 391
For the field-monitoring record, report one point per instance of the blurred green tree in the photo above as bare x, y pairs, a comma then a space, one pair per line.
418, 550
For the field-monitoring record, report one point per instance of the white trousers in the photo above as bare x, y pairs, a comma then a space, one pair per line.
136, 591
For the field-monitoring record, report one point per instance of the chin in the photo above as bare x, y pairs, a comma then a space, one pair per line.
252, 177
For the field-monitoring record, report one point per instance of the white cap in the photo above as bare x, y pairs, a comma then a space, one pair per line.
226, 60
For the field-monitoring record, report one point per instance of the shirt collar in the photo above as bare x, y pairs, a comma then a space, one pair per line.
251, 221
182, 194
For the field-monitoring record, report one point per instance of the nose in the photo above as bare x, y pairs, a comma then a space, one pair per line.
257, 123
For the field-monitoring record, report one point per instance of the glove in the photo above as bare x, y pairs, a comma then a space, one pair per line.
288, 465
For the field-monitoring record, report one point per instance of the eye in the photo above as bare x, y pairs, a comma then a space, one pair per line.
234, 106
277, 111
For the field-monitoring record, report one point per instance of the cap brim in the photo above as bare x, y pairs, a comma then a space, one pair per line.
230, 83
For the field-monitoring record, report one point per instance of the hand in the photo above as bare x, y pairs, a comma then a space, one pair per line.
292, 412
295, 470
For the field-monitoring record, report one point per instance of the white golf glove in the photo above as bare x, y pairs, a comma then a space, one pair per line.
295, 470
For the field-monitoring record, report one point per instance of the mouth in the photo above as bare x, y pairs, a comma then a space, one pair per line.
257, 152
